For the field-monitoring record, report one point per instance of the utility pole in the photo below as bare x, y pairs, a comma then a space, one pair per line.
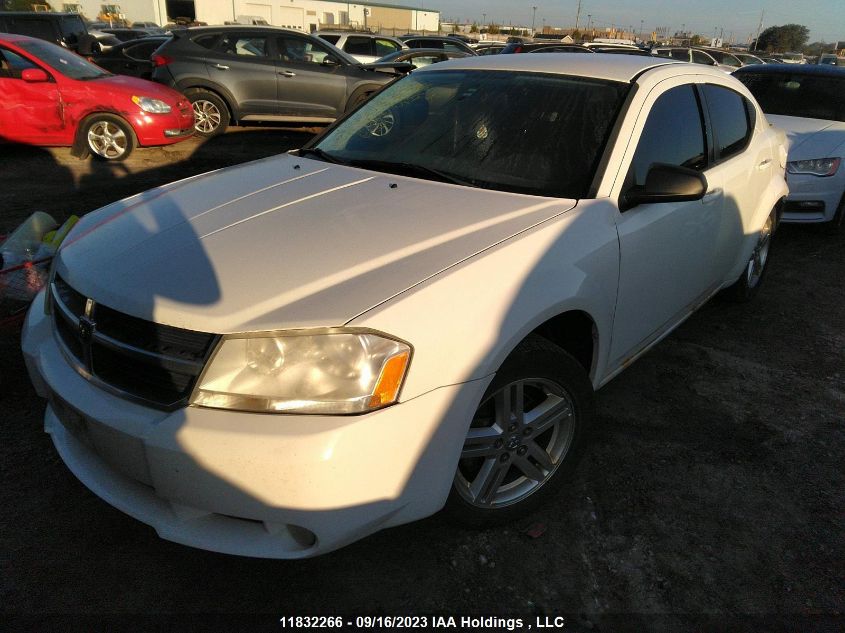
589, 22
578, 15
533, 17
759, 27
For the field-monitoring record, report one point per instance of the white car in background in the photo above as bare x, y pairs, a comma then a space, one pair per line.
808, 103
282, 357
364, 47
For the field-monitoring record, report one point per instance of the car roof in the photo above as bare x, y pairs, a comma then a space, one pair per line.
623, 68
15, 37
795, 69
235, 27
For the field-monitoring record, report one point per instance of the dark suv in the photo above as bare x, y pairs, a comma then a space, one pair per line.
237, 74
64, 29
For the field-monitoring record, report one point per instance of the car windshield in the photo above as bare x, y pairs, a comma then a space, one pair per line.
794, 94
63, 61
520, 132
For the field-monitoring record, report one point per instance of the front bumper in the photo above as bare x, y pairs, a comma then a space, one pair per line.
812, 198
276, 486
164, 129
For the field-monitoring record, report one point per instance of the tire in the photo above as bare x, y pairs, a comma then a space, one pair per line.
211, 114
107, 137
509, 465
748, 285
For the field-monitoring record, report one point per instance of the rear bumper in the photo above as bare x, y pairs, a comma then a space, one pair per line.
248, 484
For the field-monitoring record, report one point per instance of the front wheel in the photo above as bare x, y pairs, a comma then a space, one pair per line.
108, 137
525, 436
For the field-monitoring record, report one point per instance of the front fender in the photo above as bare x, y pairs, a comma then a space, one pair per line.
464, 321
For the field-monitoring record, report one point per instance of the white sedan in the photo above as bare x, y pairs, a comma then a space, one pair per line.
282, 357
808, 103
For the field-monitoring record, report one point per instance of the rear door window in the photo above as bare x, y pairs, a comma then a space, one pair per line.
242, 45
331, 39
729, 117
300, 50
356, 45
681, 54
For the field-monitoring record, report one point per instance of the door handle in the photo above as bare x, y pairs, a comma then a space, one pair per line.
711, 196
221, 66
287, 73
764, 164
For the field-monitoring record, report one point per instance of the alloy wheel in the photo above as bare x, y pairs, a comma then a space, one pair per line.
757, 262
518, 438
207, 116
107, 140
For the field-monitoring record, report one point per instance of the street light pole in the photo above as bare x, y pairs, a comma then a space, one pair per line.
578, 15
533, 17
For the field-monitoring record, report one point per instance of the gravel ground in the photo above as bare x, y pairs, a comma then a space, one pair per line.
710, 498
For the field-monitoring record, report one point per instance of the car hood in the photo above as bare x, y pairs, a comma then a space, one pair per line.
283, 242
134, 86
811, 138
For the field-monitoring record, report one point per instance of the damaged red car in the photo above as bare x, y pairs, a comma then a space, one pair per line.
51, 96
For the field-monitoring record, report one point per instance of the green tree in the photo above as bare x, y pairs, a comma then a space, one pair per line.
473, 28
493, 29
780, 39
696, 40
817, 48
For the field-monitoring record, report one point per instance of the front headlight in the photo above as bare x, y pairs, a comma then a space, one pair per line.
814, 166
330, 372
153, 106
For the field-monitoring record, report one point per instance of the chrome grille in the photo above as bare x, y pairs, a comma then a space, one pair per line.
133, 358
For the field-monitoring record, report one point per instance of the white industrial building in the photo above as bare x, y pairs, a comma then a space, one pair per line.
305, 15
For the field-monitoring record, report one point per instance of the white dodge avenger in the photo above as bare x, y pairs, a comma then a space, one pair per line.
412, 314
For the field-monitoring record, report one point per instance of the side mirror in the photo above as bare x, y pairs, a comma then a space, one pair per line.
34, 76
666, 183
329, 60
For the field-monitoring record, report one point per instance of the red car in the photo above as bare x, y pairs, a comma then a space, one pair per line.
51, 96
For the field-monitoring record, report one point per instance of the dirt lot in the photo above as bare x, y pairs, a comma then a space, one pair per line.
711, 496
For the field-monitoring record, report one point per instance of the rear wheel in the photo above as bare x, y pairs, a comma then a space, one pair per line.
525, 436
211, 115
746, 287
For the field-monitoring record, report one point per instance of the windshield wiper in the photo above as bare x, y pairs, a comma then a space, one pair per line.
411, 169
320, 154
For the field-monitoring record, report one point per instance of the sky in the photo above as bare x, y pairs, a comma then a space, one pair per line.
824, 18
